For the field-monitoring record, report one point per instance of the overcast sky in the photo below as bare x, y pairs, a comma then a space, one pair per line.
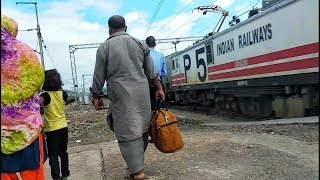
68, 22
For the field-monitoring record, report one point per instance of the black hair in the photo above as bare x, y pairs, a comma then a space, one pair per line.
117, 22
151, 41
52, 81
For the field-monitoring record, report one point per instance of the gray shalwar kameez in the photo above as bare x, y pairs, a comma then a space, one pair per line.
124, 62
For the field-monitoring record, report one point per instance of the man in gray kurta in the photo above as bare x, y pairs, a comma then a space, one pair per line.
124, 62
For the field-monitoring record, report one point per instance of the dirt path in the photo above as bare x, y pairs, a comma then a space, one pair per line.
251, 152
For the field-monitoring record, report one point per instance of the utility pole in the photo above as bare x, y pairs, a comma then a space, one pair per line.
38, 31
83, 85
84, 89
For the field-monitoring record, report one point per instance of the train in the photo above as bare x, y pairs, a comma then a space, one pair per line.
266, 65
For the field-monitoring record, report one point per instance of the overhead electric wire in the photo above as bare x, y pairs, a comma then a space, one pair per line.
244, 8
27, 29
54, 64
214, 2
229, 16
51, 59
207, 26
257, 3
166, 48
175, 16
154, 16
203, 30
183, 25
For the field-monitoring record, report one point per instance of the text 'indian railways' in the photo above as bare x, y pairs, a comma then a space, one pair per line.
225, 47
255, 36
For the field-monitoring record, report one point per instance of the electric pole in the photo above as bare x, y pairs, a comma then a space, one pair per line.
83, 83
38, 31
84, 89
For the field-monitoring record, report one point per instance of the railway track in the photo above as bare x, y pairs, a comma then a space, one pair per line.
230, 114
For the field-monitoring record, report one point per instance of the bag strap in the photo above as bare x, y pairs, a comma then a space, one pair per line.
160, 104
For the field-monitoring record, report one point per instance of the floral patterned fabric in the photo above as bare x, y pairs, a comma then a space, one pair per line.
21, 79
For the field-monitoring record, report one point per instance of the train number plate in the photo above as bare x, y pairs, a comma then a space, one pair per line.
242, 83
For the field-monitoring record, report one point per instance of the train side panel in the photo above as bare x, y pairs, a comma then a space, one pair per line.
267, 64
281, 41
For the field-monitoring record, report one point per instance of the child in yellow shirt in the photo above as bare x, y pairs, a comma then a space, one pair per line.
54, 100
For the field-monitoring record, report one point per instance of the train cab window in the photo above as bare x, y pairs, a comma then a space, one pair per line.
173, 65
210, 55
177, 64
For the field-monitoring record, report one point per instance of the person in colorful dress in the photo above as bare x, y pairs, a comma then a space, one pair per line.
22, 144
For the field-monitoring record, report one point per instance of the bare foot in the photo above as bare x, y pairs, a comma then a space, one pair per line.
139, 175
